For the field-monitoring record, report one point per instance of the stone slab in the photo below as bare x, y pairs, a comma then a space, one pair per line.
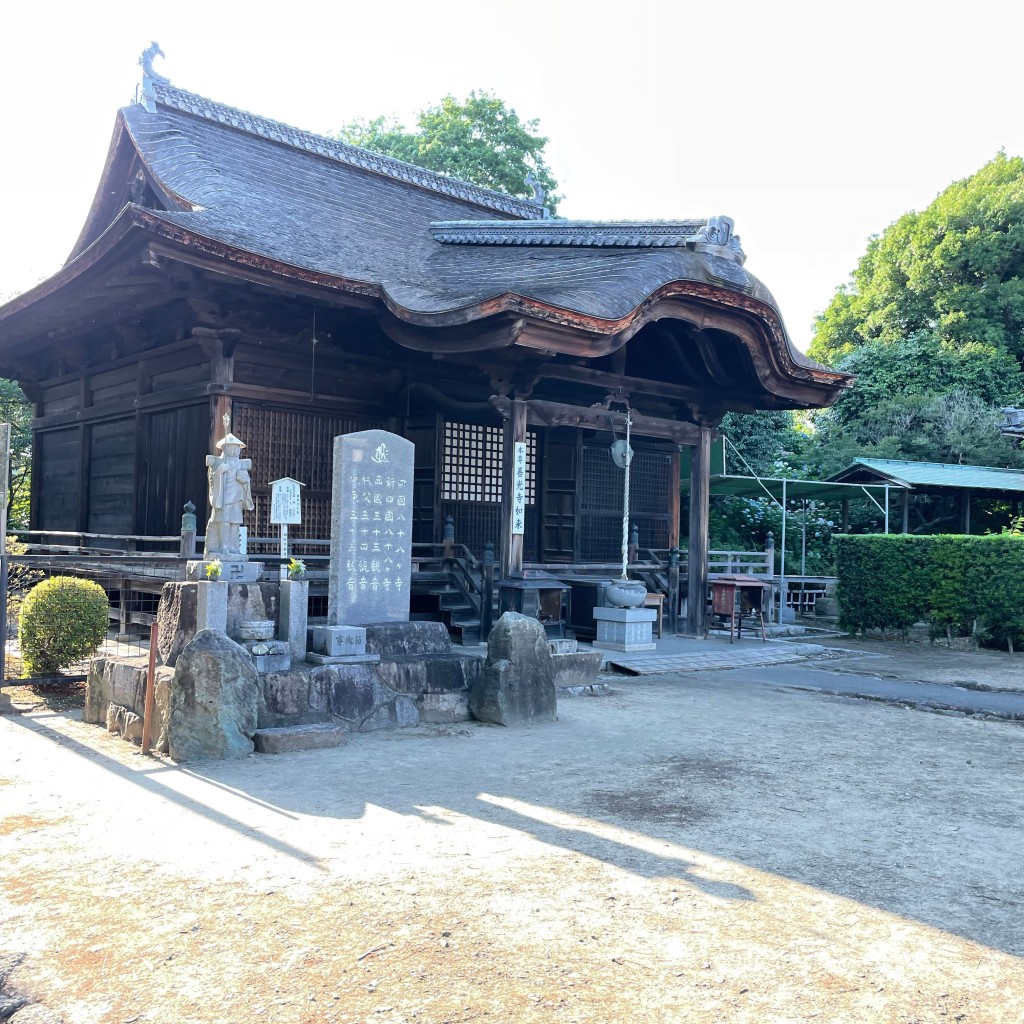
211, 606
349, 659
289, 738
339, 641
294, 612
407, 639
371, 529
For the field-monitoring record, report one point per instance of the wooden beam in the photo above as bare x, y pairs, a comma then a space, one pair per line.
613, 381
558, 414
697, 547
475, 337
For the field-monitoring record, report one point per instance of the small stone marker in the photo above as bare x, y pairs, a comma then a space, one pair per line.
340, 645
371, 529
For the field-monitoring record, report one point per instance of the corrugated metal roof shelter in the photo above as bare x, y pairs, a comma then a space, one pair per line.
937, 478
933, 476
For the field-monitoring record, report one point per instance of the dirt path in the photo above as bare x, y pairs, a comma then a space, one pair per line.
694, 849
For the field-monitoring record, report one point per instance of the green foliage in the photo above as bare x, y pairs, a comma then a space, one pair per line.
17, 410
63, 619
922, 367
954, 270
481, 140
958, 584
957, 428
765, 442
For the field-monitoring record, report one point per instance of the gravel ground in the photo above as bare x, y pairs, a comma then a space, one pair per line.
690, 848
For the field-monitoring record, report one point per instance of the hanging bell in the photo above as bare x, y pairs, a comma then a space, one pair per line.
622, 454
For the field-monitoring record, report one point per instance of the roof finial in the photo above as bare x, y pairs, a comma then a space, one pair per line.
149, 76
539, 193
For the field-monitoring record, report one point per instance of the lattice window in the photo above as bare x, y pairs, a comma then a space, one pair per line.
471, 467
296, 444
650, 482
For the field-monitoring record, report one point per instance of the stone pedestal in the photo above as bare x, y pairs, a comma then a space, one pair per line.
625, 629
230, 572
294, 610
340, 645
212, 606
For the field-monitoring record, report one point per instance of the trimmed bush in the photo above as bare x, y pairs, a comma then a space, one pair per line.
961, 585
63, 619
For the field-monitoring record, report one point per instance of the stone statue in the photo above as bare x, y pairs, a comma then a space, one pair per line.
230, 496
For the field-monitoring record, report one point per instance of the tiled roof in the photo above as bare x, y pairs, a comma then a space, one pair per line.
319, 205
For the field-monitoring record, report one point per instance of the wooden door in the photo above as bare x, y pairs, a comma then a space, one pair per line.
559, 472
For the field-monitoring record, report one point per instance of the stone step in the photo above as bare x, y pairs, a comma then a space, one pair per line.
285, 739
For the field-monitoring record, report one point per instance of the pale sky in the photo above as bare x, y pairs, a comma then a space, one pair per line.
812, 125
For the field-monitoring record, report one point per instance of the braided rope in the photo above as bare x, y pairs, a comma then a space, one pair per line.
625, 499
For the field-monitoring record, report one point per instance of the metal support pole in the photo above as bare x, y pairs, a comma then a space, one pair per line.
886, 508
803, 539
782, 558
5, 476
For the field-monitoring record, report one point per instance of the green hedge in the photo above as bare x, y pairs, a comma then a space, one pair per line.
957, 584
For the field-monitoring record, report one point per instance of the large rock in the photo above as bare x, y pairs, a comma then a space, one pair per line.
178, 610
517, 684
213, 700
176, 619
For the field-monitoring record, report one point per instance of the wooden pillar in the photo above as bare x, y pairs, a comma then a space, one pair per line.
697, 548
674, 501
514, 430
219, 346
906, 512
965, 511
846, 515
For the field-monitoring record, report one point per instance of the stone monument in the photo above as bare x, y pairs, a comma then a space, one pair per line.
371, 529
371, 542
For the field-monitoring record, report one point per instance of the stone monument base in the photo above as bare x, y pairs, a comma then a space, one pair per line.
625, 629
230, 571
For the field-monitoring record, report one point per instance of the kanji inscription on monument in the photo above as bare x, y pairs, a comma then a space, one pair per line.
371, 529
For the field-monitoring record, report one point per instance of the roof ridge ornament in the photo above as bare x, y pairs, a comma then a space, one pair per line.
149, 76
539, 193
717, 238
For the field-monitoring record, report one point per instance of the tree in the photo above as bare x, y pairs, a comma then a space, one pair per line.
481, 140
921, 366
954, 271
16, 410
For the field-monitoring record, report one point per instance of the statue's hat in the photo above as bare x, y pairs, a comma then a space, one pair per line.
230, 439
